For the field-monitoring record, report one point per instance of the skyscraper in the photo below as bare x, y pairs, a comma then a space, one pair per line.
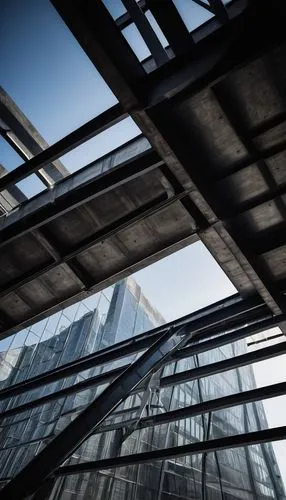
118, 313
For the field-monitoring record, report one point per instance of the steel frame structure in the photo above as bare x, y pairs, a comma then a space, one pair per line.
229, 320
207, 195
153, 93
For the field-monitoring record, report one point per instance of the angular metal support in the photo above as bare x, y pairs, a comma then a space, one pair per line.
57, 451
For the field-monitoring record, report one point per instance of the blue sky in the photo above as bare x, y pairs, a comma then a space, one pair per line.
50, 78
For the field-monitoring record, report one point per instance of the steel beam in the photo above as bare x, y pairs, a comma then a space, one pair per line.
225, 365
125, 20
202, 4
267, 392
229, 337
144, 27
25, 139
236, 441
171, 24
71, 141
187, 375
267, 339
11, 197
88, 383
197, 321
62, 446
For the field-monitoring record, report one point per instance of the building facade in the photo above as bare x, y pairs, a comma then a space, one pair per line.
99, 321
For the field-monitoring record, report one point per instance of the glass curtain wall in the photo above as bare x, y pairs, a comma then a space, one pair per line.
111, 316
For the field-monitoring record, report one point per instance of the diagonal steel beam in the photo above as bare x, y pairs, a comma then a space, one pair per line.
144, 27
25, 138
171, 24
57, 451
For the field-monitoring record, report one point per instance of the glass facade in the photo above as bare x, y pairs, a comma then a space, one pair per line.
101, 320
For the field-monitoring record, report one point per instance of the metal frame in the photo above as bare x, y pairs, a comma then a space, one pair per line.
236, 441
174, 341
143, 97
200, 60
212, 318
58, 450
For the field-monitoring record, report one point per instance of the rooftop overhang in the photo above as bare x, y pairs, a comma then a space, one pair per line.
210, 165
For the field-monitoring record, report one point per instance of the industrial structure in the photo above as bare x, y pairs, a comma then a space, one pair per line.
146, 421
209, 165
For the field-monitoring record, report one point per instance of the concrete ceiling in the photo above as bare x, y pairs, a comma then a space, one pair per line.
210, 165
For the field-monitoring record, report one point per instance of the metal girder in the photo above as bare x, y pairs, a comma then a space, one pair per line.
125, 19
95, 381
144, 27
74, 139
236, 441
62, 446
171, 24
192, 349
267, 392
104, 46
225, 365
206, 318
229, 337
267, 339
19, 132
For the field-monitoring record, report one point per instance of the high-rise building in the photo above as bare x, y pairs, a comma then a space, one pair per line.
118, 313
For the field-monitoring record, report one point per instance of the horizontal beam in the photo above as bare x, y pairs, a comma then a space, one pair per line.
266, 339
180, 377
225, 365
230, 336
236, 441
74, 139
93, 382
267, 392
204, 318
222, 52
